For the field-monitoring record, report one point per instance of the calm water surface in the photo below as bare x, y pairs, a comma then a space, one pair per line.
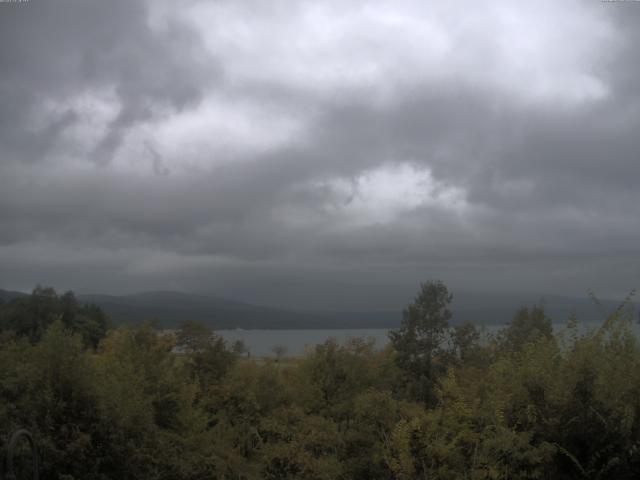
261, 342
296, 342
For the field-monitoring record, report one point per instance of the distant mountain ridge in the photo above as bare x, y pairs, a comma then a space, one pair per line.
168, 308
7, 295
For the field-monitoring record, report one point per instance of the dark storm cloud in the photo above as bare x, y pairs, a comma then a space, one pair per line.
52, 51
264, 158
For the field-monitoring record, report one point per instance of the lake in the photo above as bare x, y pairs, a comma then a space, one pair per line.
261, 342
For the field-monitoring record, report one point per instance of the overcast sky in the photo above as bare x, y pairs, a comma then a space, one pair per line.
320, 153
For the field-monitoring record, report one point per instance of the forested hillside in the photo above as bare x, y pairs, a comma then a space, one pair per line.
440, 402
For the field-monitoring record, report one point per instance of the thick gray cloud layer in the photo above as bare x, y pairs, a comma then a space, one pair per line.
317, 153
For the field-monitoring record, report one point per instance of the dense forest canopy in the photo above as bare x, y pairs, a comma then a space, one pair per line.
439, 402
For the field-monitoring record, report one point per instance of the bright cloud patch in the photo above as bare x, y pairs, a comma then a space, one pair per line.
380, 196
82, 120
386, 46
218, 131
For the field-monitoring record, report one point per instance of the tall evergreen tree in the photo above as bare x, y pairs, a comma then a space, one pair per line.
419, 341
